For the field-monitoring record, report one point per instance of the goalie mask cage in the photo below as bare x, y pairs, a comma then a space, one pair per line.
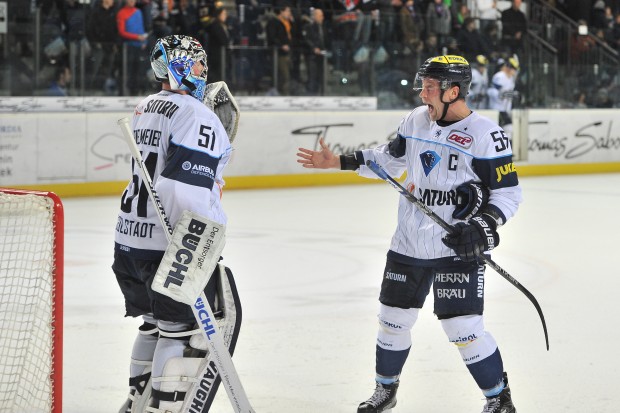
31, 287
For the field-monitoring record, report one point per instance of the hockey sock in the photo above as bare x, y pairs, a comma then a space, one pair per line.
143, 350
389, 364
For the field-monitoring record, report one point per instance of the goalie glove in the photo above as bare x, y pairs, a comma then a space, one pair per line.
219, 99
473, 238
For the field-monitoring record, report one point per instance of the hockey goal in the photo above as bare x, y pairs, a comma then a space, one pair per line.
31, 286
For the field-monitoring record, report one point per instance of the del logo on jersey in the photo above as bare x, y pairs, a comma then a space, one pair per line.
461, 139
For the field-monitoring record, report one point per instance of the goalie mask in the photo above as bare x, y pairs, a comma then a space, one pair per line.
182, 62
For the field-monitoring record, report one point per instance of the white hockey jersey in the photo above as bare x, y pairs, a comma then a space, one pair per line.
501, 92
437, 160
477, 96
185, 149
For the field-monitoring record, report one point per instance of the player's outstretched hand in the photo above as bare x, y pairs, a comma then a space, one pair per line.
323, 159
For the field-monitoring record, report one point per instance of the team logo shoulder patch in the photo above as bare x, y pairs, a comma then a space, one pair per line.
429, 160
460, 138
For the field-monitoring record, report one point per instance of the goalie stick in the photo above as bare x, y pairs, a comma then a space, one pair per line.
217, 348
381, 173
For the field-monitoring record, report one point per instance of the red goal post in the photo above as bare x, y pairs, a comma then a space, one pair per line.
31, 301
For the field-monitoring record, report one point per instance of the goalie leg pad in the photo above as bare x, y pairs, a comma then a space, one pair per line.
189, 383
178, 377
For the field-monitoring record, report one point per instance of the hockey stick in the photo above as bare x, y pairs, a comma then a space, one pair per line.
381, 173
209, 328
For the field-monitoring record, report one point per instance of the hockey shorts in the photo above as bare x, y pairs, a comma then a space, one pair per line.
135, 276
458, 288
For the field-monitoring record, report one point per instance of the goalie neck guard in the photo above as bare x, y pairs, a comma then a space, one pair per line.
182, 62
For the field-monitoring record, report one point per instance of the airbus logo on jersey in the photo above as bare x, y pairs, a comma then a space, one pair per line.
198, 169
429, 160
460, 139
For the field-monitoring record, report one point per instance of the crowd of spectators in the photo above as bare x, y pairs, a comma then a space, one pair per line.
294, 43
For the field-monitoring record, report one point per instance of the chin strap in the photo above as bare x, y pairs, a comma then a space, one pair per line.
446, 104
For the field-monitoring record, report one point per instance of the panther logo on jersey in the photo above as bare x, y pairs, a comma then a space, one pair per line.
429, 160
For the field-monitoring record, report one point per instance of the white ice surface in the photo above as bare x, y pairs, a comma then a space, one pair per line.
308, 265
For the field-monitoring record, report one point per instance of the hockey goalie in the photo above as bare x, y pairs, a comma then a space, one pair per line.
181, 142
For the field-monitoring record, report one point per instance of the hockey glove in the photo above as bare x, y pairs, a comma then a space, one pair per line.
473, 238
470, 198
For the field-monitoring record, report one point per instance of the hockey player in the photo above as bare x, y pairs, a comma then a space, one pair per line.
185, 148
477, 97
450, 153
502, 91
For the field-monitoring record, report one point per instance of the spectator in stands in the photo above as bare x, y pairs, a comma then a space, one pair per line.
614, 34
315, 37
451, 47
130, 24
62, 78
514, 28
412, 28
470, 41
75, 21
580, 100
459, 15
279, 36
603, 100
439, 20
431, 47
160, 15
183, 18
581, 44
102, 34
598, 20
146, 7
486, 12
218, 42
490, 39
386, 28
300, 16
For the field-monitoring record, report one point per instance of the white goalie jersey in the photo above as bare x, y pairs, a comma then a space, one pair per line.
437, 160
185, 149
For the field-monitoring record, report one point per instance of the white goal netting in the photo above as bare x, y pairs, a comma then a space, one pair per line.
30, 314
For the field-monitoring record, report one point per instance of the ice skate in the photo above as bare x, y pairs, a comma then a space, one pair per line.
502, 403
383, 399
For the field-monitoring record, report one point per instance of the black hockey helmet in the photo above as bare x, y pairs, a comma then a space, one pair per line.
450, 70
